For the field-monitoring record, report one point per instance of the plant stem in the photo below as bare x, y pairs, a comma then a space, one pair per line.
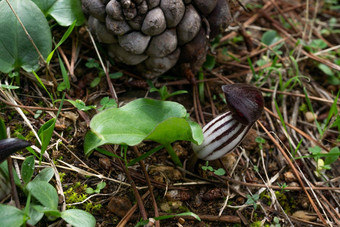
173, 155
13, 186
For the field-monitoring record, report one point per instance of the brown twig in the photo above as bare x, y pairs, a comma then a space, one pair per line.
35, 107
223, 218
335, 214
293, 41
297, 175
251, 20
198, 118
291, 188
297, 130
142, 165
111, 88
299, 95
67, 63
129, 214
132, 183
81, 113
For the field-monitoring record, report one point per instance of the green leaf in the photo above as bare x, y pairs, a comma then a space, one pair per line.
62, 40
101, 185
62, 86
45, 193
106, 102
260, 140
95, 82
160, 121
67, 11
197, 134
9, 86
42, 84
27, 169
145, 155
80, 105
16, 50
318, 44
252, 199
219, 172
11, 216
179, 215
13, 74
326, 70
270, 37
45, 175
107, 153
34, 215
89, 190
44, 5
45, 133
209, 62
115, 75
66, 81
4, 172
334, 155
78, 218
91, 63
63, 11
3, 133
52, 214
170, 130
315, 151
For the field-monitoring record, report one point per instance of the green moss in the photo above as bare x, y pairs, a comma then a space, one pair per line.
92, 208
61, 175
287, 203
76, 194
256, 224
18, 129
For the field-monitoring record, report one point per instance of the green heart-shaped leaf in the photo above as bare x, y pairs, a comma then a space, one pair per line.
63, 11
15, 48
142, 119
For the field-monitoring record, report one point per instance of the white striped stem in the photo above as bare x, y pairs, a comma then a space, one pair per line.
221, 136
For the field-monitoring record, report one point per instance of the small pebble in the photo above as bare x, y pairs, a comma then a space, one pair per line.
165, 207
289, 177
181, 221
119, 205
175, 195
304, 215
310, 117
105, 163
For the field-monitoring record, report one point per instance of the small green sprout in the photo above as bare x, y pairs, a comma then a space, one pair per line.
283, 186
99, 187
218, 172
92, 64
163, 91
80, 105
106, 103
252, 200
260, 141
276, 223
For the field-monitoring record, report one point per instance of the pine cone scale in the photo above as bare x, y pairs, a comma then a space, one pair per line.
155, 35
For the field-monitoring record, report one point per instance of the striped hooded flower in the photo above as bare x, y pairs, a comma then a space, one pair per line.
225, 132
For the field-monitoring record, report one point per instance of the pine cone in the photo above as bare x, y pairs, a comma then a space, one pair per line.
154, 35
